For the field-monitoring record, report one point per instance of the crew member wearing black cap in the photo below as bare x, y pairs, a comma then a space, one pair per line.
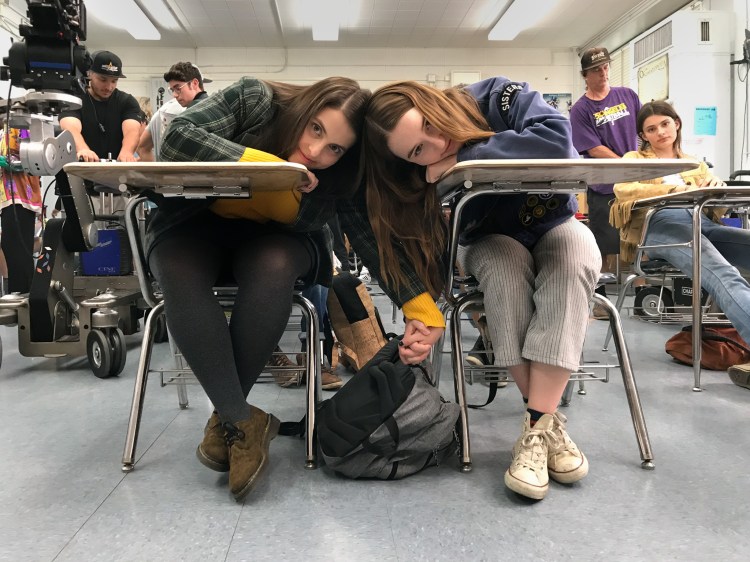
107, 124
603, 121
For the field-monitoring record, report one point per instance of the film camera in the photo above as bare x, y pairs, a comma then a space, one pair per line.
49, 62
50, 56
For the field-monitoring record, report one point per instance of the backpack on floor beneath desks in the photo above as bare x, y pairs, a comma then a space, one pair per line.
355, 321
721, 347
387, 422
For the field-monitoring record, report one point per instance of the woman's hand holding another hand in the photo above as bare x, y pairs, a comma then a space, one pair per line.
418, 341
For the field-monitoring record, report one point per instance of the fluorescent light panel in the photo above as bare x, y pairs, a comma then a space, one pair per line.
520, 15
159, 11
124, 14
325, 16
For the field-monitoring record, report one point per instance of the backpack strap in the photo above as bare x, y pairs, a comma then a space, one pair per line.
490, 397
730, 341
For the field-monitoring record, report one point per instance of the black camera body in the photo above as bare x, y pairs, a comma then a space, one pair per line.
50, 57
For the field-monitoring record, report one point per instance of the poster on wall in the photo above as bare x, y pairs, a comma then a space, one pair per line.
705, 121
653, 80
561, 102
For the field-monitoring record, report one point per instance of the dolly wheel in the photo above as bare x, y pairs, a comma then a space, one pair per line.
99, 352
119, 351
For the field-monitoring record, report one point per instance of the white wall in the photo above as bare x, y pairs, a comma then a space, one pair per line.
741, 80
700, 76
546, 71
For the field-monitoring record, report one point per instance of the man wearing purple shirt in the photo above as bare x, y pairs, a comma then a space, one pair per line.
604, 126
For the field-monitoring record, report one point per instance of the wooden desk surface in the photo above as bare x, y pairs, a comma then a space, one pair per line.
258, 176
588, 170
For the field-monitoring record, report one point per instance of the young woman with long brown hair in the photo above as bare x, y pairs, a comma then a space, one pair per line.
536, 264
266, 243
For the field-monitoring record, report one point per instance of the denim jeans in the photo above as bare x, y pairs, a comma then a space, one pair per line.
723, 250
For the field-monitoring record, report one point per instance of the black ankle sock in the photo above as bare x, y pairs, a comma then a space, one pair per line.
534, 415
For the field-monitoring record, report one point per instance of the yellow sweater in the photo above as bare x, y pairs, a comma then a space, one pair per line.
264, 206
630, 223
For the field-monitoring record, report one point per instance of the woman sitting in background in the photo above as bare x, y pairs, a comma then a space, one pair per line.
723, 248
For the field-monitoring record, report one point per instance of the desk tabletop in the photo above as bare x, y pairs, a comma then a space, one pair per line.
721, 194
587, 170
258, 176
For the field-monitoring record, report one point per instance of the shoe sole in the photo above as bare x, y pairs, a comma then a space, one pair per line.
475, 361
739, 377
292, 378
334, 386
207, 461
272, 430
572, 475
524, 489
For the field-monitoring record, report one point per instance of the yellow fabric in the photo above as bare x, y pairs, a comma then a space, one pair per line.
252, 155
264, 206
424, 309
630, 223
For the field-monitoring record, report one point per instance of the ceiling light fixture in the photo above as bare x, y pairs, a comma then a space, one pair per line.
124, 14
325, 16
520, 15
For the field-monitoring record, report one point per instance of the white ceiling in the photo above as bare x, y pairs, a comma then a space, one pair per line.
389, 23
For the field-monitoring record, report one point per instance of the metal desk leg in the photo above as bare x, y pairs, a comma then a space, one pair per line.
458, 375
631, 390
697, 308
620, 300
437, 349
313, 362
139, 391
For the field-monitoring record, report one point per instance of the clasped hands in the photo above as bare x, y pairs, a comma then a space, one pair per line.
417, 342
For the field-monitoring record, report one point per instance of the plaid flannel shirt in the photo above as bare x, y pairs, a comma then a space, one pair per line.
218, 129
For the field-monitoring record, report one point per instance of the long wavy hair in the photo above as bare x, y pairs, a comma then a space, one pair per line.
403, 208
663, 109
296, 105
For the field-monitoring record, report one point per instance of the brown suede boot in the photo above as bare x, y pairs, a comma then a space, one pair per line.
213, 451
248, 442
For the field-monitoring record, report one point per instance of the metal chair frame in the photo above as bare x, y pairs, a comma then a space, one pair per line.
179, 375
461, 295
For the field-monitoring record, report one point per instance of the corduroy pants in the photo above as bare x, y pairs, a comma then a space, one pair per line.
536, 300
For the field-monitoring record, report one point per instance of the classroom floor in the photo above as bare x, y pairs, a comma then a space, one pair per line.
63, 496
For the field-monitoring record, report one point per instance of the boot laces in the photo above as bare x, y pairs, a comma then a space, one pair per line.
233, 433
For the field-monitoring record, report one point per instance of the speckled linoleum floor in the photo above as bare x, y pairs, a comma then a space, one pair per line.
63, 496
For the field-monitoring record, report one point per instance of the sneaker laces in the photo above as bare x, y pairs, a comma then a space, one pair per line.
563, 442
531, 453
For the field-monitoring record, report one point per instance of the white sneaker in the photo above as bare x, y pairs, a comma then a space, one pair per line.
479, 357
365, 276
527, 474
565, 462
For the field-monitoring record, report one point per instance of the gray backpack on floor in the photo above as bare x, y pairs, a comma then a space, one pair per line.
387, 422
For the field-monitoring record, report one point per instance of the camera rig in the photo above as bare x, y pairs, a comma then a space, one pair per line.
50, 63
